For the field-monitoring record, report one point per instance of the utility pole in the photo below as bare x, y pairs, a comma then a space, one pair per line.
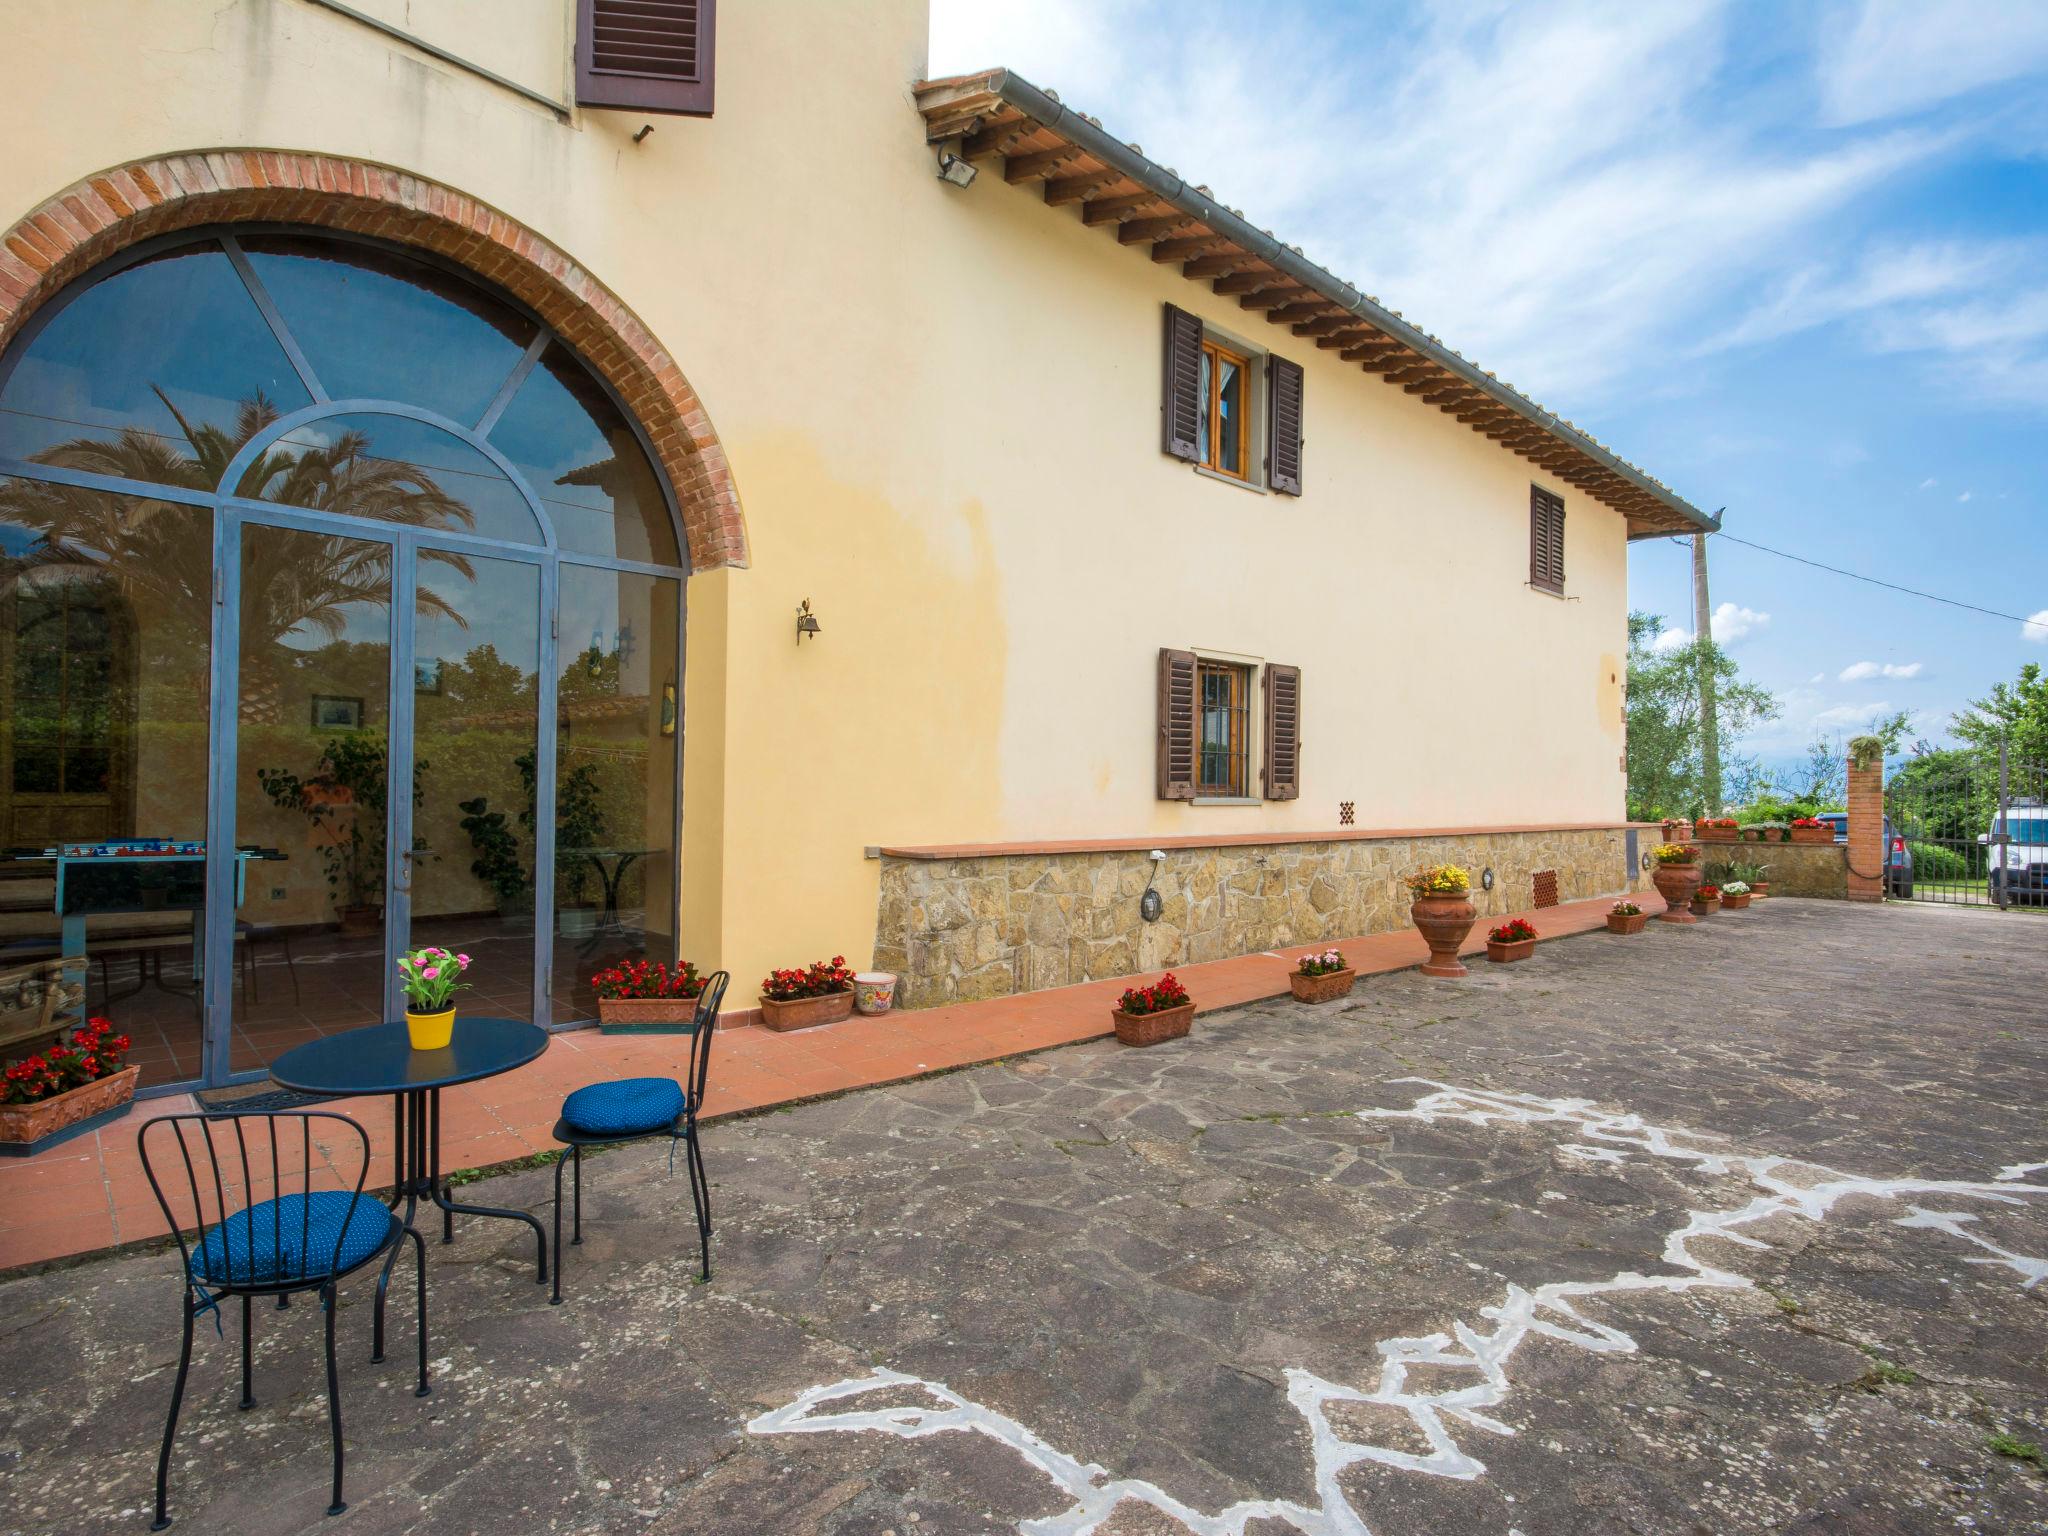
1710, 725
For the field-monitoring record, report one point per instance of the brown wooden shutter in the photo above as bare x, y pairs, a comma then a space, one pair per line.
1546, 539
1176, 725
1181, 401
1283, 426
645, 55
1283, 732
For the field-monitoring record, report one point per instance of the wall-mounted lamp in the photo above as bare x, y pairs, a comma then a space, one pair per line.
955, 169
1152, 904
1486, 878
806, 621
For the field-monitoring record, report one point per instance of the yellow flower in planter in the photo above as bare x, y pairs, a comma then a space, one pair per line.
1440, 880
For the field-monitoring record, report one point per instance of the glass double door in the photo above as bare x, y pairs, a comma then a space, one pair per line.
389, 784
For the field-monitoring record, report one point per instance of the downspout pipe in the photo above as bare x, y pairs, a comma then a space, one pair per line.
1076, 129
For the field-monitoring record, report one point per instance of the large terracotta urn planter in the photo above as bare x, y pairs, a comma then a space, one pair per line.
1676, 883
1154, 1028
806, 1012
1443, 921
26, 1129
1627, 922
1506, 953
1326, 988
646, 1015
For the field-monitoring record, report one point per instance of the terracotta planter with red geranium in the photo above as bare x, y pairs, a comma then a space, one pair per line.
1717, 829
642, 999
1511, 941
66, 1091
821, 993
1806, 829
1155, 1014
1706, 901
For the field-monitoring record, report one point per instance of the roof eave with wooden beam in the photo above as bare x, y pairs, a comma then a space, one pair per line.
995, 114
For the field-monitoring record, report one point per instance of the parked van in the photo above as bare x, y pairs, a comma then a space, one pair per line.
2019, 867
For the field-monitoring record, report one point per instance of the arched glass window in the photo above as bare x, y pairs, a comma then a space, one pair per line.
167, 368
288, 520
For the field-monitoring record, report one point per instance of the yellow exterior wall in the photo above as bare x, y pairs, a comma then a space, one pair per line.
941, 411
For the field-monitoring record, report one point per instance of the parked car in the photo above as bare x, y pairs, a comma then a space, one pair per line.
2019, 866
1898, 858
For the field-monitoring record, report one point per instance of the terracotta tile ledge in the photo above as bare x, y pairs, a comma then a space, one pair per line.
89, 1195
1274, 837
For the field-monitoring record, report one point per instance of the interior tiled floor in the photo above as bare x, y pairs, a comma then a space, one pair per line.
90, 1192
293, 987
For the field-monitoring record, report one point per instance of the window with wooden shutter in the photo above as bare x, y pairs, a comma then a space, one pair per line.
1546, 539
1283, 732
1283, 426
645, 55
1182, 406
1176, 725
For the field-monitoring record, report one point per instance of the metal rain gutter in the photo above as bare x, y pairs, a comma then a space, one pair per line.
1054, 114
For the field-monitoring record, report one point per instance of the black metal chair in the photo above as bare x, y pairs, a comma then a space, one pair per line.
636, 1108
232, 1244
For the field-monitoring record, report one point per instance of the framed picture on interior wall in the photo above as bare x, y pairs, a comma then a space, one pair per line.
426, 675
334, 712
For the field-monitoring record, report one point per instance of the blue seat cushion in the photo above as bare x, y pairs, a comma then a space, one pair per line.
292, 1238
633, 1106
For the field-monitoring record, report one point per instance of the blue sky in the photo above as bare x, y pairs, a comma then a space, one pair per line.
1791, 259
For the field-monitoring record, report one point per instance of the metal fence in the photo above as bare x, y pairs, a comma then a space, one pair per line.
1973, 829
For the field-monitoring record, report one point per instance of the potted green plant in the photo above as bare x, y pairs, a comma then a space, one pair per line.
1321, 977
430, 978
1735, 896
1626, 917
1150, 1015
820, 993
348, 778
66, 1090
497, 863
1513, 940
1443, 915
1676, 876
639, 998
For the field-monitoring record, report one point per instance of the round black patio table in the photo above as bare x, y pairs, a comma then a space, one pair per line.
379, 1058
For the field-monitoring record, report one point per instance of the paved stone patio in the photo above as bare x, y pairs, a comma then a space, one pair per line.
1192, 1288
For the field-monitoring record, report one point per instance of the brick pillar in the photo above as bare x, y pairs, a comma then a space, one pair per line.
1866, 819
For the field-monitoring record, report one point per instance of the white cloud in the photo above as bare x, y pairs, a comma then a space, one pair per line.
2035, 627
1818, 677
1863, 671
1905, 55
1843, 717
1929, 483
1672, 640
1965, 496
1734, 624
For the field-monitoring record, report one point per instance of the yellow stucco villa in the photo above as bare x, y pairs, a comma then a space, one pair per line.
766, 504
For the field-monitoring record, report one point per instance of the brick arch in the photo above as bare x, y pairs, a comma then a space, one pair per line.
90, 221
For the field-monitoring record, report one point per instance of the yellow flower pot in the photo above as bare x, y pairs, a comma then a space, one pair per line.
430, 1031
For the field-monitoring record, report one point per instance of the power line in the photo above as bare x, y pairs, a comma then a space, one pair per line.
1932, 597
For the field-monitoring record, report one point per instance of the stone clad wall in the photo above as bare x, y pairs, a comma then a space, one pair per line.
963, 929
1797, 869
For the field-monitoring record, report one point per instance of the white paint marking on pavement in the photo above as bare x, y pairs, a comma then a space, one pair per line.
1548, 1311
